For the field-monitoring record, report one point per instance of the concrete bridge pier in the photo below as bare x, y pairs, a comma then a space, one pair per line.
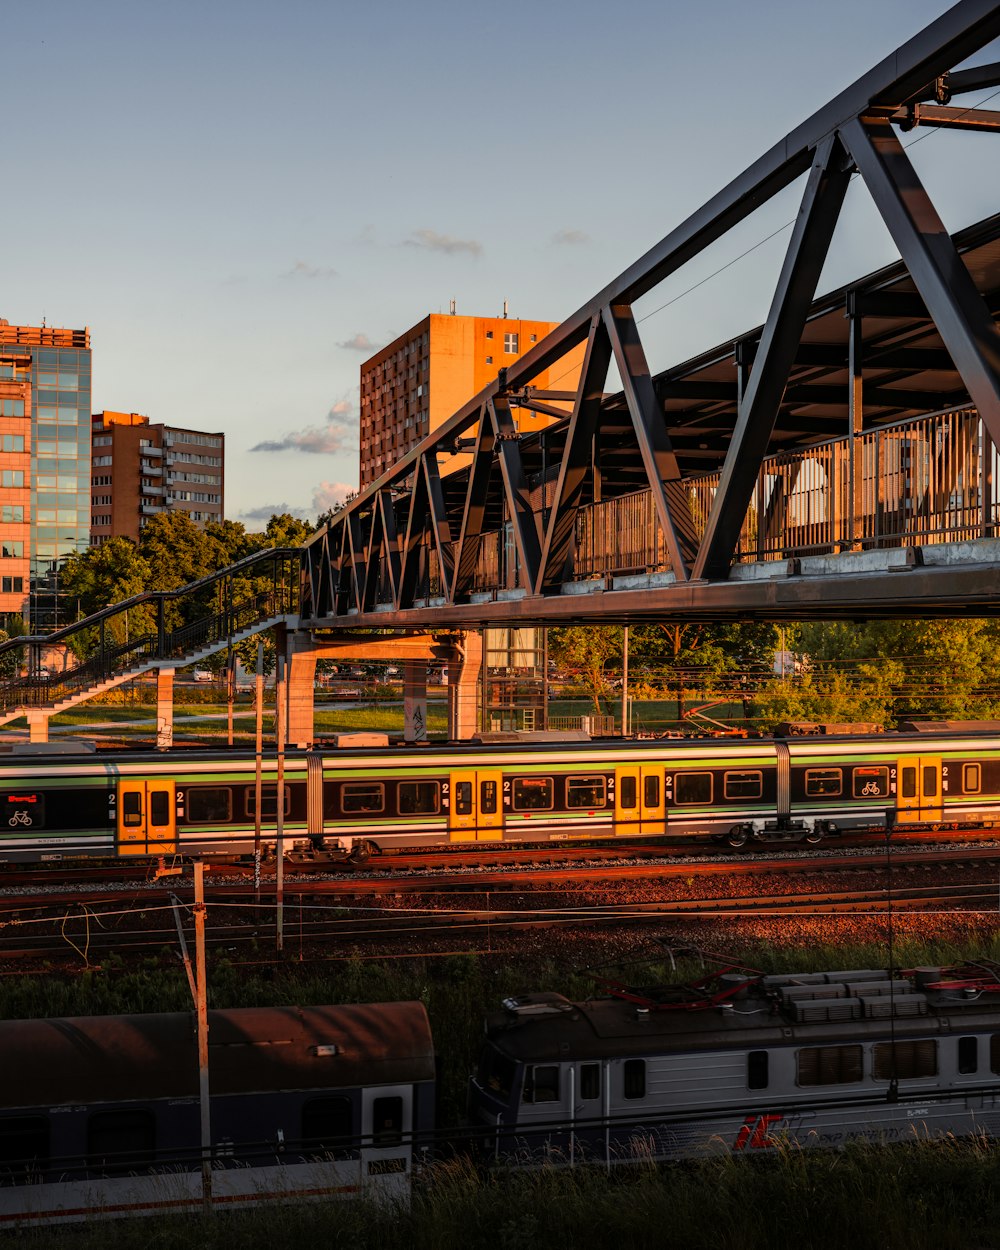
164, 709
38, 725
463, 685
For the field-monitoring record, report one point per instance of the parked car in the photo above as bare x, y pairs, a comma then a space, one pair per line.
202, 674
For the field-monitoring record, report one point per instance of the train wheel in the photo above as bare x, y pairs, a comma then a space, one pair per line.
813, 837
737, 836
360, 853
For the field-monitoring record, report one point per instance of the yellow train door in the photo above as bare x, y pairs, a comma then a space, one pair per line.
147, 822
476, 809
639, 809
918, 790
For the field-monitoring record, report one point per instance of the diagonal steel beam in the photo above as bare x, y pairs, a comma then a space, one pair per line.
807, 249
474, 512
522, 517
960, 313
574, 470
440, 525
390, 541
670, 500
417, 525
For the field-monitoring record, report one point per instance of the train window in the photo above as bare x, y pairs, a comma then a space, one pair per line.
268, 801
120, 1141
692, 788
532, 794
590, 1080
908, 782
972, 778
634, 1078
995, 1053
757, 1069
159, 808
541, 1084
820, 781
419, 798
651, 790
488, 798
968, 1055
930, 780
904, 1060
496, 1071
871, 782
744, 785
328, 1125
24, 1146
829, 1065
23, 807
628, 793
209, 803
462, 798
387, 1121
131, 809
586, 791
362, 796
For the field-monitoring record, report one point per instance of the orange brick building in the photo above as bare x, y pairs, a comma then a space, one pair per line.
139, 469
423, 377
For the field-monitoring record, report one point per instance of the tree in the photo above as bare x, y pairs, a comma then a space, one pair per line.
587, 650
103, 575
285, 530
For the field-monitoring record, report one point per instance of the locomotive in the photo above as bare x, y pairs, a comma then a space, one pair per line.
351, 801
741, 1063
103, 1115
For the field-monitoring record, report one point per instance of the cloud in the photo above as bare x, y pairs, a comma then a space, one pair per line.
361, 343
573, 237
303, 270
431, 241
338, 434
266, 511
329, 495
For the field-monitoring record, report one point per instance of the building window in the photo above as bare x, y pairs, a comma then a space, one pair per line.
489, 360
12, 585
533, 338
12, 407
489, 334
510, 344
13, 442
12, 512
11, 550
12, 477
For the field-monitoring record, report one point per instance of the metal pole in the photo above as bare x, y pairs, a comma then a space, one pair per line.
230, 691
625, 725
279, 867
259, 687
201, 1004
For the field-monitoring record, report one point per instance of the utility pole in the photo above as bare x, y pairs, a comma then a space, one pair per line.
259, 687
201, 1003
625, 724
279, 867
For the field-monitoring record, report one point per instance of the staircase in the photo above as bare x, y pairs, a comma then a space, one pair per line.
250, 596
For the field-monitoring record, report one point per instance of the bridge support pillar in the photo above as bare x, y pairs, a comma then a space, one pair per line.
164, 709
463, 686
300, 688
414, 700
38, 726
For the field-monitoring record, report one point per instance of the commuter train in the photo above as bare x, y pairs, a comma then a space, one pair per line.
348, 801
101, 1115
813, 1060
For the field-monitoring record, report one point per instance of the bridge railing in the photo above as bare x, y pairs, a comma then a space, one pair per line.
919, 482
155, 625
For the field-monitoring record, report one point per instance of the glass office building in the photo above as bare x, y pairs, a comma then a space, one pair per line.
56, 508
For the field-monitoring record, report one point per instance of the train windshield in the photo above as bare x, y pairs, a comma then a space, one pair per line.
496, 1072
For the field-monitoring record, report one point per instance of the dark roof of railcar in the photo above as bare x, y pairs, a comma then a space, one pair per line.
93, 1059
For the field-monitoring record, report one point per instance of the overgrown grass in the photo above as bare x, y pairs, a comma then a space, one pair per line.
941, 1196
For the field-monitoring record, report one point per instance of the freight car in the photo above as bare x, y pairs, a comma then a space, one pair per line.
101, 1115
351, 802
817, 1060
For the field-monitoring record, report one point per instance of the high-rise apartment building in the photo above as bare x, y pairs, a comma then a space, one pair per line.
416, 383
44, 466
139, 469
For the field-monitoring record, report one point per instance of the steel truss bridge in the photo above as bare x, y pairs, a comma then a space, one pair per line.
783, 474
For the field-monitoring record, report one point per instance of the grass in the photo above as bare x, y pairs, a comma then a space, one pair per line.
942, 1196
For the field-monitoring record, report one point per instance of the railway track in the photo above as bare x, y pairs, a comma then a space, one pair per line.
329, 919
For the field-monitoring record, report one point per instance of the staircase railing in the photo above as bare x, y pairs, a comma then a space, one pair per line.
257, 588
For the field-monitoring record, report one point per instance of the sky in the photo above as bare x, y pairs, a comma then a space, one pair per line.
244, 200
